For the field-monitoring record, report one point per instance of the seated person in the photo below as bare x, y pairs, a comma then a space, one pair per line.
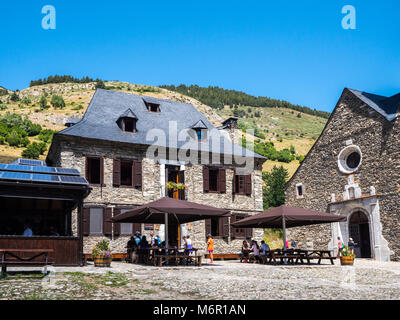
53, 232
254, 250
131, 247
27, 230
137, 237
244, 254
264, 248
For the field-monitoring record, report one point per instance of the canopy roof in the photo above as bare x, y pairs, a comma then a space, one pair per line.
183, 211
294, 217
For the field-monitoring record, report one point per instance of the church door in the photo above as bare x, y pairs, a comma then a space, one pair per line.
359, 231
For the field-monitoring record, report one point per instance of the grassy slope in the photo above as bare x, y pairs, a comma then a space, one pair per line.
276, 123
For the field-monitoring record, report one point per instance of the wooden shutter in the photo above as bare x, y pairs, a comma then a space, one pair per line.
107, 223
87, 169
224, 221
247, 184
86, 221
137, 173
116, 172
233, 229
234, 182
208, 226
221, 180
102, 171
206, 179
117, 225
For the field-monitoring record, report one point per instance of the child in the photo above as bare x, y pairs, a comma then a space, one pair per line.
210, 247
340, 246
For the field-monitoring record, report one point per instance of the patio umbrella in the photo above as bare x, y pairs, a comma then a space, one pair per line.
164, 209
287, 217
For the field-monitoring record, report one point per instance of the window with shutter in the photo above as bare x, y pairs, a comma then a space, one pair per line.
96, 221
117, 225
127, 173
94, 170
247, 184
206, 181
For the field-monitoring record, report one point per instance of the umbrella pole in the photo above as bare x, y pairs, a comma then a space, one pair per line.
284, 238
166, 231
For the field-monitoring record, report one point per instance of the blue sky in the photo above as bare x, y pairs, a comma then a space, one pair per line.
296, 50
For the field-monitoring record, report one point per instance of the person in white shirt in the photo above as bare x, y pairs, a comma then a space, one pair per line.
255, 250
28, 231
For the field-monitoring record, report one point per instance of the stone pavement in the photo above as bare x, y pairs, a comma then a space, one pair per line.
367, 279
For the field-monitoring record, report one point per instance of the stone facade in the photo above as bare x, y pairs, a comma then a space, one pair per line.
373, 188
71, 153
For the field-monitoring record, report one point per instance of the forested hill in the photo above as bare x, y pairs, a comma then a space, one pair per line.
218, 97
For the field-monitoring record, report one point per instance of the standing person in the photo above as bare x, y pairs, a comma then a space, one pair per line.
188, 244
152, 239
351, 245
293, 244
210, 247
340, 246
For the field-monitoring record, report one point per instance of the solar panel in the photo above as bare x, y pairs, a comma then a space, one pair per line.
73, 180
67, 171
3, 166
44, 169
16, 176
45, 178
18, 167
31, 162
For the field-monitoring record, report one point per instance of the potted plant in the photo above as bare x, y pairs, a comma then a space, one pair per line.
175, 186
101, 254
346, 256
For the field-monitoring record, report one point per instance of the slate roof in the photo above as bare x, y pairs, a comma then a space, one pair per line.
106, 106
128, 114
72, 121
386, 106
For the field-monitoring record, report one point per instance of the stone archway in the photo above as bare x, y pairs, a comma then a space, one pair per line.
359, 230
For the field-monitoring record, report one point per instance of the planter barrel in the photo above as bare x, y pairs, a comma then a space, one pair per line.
102, 261
346, 261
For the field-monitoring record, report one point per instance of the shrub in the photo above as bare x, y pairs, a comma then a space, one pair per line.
26, 100
2, 140
14, 97
79, 107
3, 92
46, 135
100, 85
43, 103
3, 107
31, 152
34, 129
13, 139
57, 102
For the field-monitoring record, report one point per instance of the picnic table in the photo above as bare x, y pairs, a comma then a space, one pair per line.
23, 257
294, 256
174, 255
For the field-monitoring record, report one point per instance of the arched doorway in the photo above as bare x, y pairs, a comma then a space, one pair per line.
359, 231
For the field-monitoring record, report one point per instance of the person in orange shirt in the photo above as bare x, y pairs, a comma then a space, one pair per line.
210, 247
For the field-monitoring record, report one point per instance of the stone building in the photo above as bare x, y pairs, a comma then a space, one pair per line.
135, 149
353, 170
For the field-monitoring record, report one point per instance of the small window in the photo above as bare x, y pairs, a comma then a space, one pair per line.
199, 134
153, 107
213, 176
239, 184
126, 227
129, 125
240, 232
299, 190
126, 173
93, 174
96, 221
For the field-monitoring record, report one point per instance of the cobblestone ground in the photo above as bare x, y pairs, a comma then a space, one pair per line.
222, 280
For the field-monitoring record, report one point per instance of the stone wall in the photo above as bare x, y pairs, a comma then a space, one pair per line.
352, 122
72, 155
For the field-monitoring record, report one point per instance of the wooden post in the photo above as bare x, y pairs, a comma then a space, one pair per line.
166, 231
284, 238
80, 232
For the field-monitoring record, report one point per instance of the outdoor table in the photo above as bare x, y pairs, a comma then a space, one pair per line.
17, 257
176, 255
320, 255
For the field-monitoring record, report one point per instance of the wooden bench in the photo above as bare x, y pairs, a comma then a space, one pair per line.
16, 257
223, 256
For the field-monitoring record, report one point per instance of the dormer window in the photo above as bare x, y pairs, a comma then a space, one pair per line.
127, 121
129, 125
153, 107
201, 129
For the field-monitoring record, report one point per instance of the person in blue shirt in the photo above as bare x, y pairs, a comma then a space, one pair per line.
28, 231
264, 247
293, 244
137, 237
